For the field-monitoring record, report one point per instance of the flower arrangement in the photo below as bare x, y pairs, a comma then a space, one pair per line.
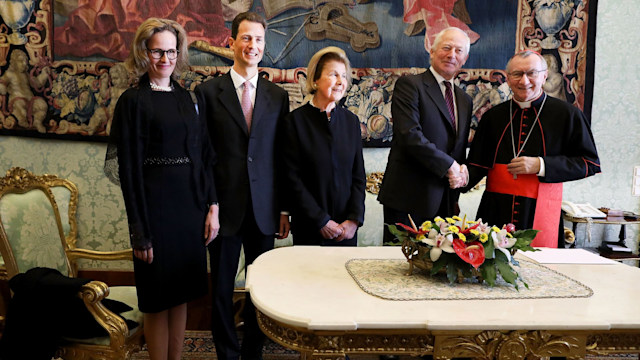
464, 249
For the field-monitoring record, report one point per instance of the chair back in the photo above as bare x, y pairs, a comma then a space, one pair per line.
32, 233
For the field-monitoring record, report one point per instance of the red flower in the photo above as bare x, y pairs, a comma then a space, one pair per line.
412, 229
467, 231
472, 253
510, 228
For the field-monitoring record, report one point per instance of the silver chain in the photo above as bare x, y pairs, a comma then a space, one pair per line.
513, 141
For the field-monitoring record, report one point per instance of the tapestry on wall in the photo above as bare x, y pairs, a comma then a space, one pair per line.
62, 71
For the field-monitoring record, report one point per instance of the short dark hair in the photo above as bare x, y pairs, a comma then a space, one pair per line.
248, 16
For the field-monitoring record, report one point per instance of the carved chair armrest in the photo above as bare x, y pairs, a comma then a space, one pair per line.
92, 294
75, 254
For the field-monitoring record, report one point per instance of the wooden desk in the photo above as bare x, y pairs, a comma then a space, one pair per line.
602, 250
307, 301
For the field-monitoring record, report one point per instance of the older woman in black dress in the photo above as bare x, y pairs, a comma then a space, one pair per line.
165, 163
323, 158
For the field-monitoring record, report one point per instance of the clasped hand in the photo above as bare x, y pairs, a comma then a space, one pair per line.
339, 232
458, 175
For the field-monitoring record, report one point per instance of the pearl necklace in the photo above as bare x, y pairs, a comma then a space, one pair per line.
161, 88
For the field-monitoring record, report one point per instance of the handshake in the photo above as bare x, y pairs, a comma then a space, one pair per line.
458, 175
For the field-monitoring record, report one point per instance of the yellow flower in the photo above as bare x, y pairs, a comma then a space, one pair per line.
454, 229
462, 237
450, 220
495, 229
438, 219
509, 235
426, 225
420, 237
475, 232
484, 237
456, 218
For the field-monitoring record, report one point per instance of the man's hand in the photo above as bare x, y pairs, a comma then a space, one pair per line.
349, 228
464, 175
212, 224
524, 165
145, 255
331, 230
285, 226
458, 175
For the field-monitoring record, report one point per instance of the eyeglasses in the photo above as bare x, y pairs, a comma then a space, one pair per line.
517, 75
172, 54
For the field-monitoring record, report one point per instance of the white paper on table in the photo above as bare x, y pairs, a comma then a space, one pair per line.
566, 256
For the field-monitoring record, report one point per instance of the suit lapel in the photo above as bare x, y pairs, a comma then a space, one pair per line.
229, 99
462, 110
433, 90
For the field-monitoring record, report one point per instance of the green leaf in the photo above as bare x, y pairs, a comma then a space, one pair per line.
501, 257
401, 235
507, 273
439, 264
452, 272
488, 271
528, 234
524, 238
489, 248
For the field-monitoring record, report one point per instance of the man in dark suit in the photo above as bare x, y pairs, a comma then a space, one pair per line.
244, 112
430, 134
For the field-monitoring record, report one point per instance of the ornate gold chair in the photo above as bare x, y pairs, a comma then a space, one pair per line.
38, 229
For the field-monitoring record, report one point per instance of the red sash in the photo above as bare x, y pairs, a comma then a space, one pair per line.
548, 200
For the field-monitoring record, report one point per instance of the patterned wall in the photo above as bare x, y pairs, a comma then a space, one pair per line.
615, 115
616, 127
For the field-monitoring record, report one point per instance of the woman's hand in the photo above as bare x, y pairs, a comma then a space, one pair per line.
145, 255
349, 228
212, 224
331, 230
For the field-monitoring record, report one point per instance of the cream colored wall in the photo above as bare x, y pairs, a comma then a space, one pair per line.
616, 114
616, 128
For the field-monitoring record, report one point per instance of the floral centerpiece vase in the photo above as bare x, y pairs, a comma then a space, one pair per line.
464, 250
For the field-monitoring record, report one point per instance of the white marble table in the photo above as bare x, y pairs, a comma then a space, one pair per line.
307, 301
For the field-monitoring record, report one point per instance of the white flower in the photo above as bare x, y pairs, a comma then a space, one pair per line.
439, 243
483, 227
503, 242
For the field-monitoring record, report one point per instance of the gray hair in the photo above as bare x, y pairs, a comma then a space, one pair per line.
440, 35
525, 54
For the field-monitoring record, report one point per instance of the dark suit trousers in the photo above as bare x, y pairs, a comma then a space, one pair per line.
447, 208
224, 253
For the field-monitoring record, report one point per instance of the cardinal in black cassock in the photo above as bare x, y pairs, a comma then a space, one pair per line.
527, 147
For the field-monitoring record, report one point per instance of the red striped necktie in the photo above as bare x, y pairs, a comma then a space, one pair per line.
448, 96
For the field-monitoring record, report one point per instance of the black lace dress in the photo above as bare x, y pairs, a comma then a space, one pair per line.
164, 162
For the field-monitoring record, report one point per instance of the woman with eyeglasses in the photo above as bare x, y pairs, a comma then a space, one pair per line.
165, 167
